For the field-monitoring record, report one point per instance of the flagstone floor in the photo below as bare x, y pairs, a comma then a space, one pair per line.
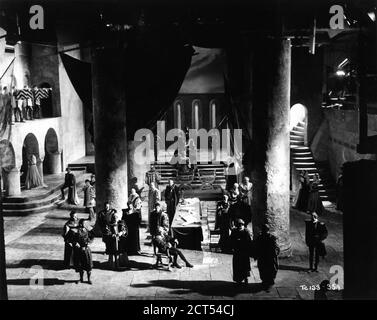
34, 252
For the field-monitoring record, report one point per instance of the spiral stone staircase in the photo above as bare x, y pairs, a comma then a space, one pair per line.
302, 159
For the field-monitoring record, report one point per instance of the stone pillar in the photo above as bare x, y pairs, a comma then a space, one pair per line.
13, 182
22, 64
109, 107
270, 159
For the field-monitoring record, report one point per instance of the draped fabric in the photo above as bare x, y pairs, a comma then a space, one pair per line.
156, 66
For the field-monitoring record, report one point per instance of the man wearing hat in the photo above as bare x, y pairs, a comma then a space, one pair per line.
316, 232
240, 240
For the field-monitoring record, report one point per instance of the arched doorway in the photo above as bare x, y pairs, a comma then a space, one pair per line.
7, 162
52, 160
298, 123
29, 147
46, 104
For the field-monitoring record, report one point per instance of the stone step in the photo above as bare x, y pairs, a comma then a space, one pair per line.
32, 204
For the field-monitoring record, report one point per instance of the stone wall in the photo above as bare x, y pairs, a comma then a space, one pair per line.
72, 112
344, 137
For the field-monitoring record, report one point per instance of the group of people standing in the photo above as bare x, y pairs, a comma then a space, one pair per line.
236, 204
24, 104
309, 199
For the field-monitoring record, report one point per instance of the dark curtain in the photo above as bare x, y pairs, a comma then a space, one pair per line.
156, 67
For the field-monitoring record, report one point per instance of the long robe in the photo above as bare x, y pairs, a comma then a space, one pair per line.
314, 201
241, 245
132, 220
224, 223
33, 177
69, 231
70, 183
267, 252
303, 194
171, 199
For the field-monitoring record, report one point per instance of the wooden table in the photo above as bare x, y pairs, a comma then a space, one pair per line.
187, 225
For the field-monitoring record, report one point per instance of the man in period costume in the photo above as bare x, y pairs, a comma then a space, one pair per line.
104, 219
82, 254
117, 238
154, 196
70, 183
266, 252
315, 233
240, 239
132, 218
159, 219
171, 199
224, 223
69, 230
89, 199
152, 176
164, 243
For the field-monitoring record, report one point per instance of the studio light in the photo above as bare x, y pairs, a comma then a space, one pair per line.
372, 15
340, 73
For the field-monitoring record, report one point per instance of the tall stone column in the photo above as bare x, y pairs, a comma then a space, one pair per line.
13, 182
270, 116
22, 64
109, 108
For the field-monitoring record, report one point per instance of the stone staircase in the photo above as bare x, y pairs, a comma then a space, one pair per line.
302, 159
167, 171
39, 199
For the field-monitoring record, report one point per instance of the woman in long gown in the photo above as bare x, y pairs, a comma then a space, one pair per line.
33, 177
303, 194
132, 218
315, 202
241, 243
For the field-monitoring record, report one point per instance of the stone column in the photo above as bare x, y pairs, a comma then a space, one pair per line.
13, 182
109, 107
270, 159
22, 64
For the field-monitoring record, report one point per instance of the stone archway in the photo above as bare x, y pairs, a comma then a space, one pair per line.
298, 119
47, 110
52, 161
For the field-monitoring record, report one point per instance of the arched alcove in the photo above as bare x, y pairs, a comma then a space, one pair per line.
29, 147
47, 110
52, 160
178, 114
196, 106
298, 118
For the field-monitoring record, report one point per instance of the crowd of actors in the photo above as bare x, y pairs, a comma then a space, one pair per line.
20, 105
121, 236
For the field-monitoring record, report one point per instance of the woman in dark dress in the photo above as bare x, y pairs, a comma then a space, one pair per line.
224, 223
69, 231
82, 254
240, 239
315, 202
303, 194
132, 219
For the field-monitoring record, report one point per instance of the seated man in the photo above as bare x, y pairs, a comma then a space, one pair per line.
167, 244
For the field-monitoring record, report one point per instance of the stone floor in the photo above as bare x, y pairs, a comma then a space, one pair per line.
34, 251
